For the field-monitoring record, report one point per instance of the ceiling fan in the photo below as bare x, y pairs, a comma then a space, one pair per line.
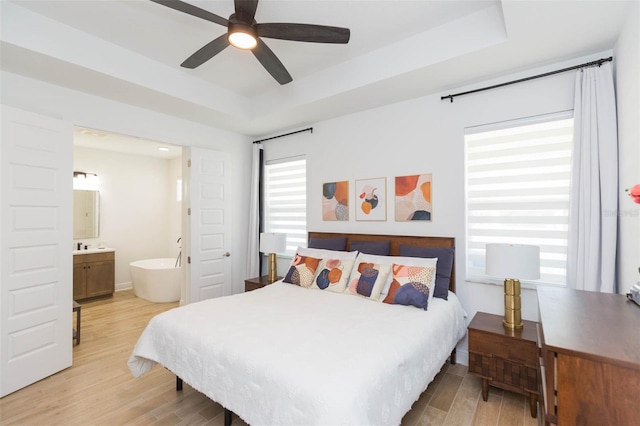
244, 32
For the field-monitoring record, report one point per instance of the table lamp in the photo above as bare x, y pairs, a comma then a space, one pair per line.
272, 243
509, 261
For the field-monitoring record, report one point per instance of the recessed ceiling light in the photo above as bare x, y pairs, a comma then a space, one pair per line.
90, 132
163, 148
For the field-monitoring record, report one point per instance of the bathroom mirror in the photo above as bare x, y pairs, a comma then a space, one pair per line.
86, 214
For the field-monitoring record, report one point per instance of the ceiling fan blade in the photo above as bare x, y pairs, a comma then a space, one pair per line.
271, 63
304, 32
192, 10
207, 52
246, 10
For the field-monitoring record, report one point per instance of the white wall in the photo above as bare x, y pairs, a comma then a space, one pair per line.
98, 113
136, 218
627, 66
424, 135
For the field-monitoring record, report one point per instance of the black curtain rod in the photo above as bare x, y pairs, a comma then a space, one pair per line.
308, 129
599, 62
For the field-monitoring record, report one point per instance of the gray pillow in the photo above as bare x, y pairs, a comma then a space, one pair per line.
337, 244
381, 248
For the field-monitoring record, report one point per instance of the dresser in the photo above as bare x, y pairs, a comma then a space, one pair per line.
589, 363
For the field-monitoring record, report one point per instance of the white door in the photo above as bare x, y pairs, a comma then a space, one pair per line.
208, 268
36, 160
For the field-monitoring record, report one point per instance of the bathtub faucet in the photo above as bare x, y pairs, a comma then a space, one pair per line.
179, 259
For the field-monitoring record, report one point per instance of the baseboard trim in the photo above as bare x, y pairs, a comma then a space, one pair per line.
124, 286
462, 357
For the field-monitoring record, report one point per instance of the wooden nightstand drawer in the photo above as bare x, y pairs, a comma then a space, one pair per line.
514, 349
504, 371
251, 284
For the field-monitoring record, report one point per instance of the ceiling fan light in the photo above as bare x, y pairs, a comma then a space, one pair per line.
242, 40
242, 36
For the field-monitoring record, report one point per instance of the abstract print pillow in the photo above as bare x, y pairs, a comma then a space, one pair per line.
368, 279
445, 256
411, 285
333, 275
302, 271
400, 260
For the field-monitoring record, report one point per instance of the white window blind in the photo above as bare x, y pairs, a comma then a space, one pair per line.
518, 177
285, 201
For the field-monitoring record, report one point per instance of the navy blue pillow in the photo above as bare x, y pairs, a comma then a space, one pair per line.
337, 244
380, 248
443, 267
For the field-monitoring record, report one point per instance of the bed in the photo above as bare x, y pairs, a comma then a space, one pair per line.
286, 354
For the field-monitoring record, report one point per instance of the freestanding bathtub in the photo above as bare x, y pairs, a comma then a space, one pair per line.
156, 280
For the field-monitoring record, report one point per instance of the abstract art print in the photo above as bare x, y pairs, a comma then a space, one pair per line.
371, 199
335, 200
413, 198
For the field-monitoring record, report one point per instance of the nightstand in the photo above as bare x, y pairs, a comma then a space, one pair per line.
256, 283
504, 358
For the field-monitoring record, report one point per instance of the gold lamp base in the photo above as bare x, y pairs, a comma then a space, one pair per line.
273, 274
512, 308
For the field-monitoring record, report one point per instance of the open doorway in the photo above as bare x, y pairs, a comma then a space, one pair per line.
138, 185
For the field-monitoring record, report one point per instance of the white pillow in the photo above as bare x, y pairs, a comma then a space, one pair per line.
411, 286
399, 260
367, 282
302, 270
327, 254
332, 275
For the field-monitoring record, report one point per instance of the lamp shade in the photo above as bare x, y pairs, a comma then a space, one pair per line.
513, 261
271, 242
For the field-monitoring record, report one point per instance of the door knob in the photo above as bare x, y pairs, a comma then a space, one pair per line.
227, 254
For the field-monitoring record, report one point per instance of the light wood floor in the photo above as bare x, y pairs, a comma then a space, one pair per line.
99, 389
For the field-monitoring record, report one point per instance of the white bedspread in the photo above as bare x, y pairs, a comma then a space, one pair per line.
289, 355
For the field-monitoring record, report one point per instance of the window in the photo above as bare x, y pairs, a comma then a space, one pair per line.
285, 201
518, 177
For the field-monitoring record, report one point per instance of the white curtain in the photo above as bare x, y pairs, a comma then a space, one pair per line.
594, 194
253, 246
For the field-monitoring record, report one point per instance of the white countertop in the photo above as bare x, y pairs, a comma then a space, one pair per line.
93, 250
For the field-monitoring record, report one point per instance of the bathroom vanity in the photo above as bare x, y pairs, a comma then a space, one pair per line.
93, 273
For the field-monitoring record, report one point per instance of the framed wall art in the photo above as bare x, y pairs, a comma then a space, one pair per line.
413, 198
371, 199
335, 201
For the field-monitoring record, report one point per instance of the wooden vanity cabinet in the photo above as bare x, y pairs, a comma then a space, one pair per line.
93, 275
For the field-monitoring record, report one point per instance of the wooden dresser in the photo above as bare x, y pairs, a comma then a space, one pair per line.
589, 357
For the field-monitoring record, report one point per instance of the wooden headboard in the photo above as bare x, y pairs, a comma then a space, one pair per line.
395, 242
